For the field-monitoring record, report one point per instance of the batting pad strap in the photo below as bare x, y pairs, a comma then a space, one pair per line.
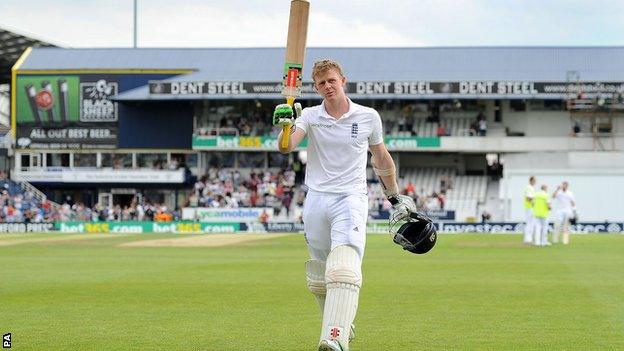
343, 268
315, 274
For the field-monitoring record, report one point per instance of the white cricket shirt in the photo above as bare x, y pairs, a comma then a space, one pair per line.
563, 201
338, 148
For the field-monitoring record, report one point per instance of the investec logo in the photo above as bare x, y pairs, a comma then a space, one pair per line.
478, 228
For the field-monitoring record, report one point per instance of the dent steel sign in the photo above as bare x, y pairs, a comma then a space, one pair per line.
484, 88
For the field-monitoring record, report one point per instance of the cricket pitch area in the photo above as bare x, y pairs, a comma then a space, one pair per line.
248, 292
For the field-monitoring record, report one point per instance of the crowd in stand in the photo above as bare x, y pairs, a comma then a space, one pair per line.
219, 188
145, 211
230, 189
20, 205
424, 202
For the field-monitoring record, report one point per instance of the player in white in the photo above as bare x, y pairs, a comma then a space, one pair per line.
529, 223
565, 204
340, 133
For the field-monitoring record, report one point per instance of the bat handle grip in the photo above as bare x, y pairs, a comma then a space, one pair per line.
286, 129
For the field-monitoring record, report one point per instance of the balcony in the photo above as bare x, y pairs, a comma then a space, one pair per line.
98, 175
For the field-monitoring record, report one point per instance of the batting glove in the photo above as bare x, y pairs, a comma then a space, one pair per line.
403, 205
283, 115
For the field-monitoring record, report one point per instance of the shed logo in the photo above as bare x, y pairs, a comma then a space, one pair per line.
95, 105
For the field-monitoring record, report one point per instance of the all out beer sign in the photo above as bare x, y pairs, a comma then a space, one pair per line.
67, 111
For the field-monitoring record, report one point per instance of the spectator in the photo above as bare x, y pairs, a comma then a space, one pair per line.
264, 217
576, 129
410, 189
482, 124
485, 216
442, 199
442, 130
401, 123
472, 131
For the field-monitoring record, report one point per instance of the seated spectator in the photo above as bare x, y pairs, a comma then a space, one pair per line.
264, 217
401, 123
474, 125
576, 129
442, 131
442, 199
410, 189
162, 215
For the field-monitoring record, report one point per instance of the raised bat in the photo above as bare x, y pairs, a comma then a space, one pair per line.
295, 54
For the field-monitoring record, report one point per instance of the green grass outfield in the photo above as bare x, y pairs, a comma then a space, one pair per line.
472, 292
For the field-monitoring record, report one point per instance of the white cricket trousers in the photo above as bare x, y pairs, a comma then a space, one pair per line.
331, 220
541, 231
529, 226
562, 226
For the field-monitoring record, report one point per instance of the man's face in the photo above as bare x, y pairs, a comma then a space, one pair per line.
330, 85
564, 186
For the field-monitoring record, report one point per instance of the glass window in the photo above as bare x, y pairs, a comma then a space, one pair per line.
221, 159
243, 117
57, 160
517, 105
157, 161
251, 159
117, 161
554, 105
278, 160
191, 160
25, 160
85, 160
183, 160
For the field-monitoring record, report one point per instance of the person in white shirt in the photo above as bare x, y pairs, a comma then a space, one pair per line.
340, 133
565, 205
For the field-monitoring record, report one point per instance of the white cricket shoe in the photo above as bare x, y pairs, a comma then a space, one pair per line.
329, 345
333, 345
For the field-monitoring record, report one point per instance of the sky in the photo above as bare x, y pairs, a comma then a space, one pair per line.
333, 23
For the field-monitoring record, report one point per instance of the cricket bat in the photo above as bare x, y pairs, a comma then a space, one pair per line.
295, 54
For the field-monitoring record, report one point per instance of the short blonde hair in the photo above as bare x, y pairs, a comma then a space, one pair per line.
324, 66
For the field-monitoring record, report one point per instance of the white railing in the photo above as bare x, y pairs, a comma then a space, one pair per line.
36, 193
217, 132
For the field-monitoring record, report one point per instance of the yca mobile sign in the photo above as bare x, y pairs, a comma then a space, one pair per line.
510, 88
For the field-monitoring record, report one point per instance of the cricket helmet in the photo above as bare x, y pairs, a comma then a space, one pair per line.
415, 233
